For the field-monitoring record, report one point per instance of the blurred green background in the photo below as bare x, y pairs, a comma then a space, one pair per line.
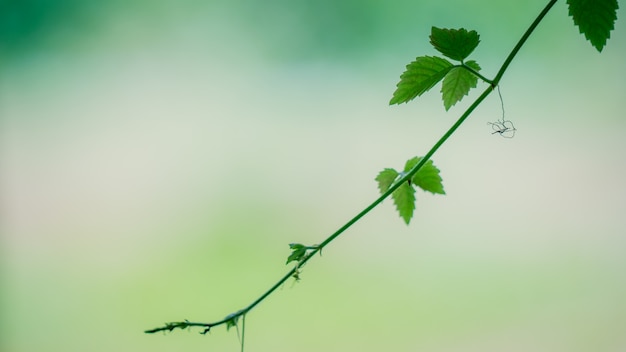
156, 158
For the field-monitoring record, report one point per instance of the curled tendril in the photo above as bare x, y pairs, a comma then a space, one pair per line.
504, 128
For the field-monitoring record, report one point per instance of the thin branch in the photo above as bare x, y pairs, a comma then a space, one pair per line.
521, 42
183, 325
232, 318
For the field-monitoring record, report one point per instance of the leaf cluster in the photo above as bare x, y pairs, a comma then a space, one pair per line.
427, 178
426, 71
299, 252
595, 20
232, 319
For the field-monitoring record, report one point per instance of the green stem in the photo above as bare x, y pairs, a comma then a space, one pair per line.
315, 249
521, 42
477, 74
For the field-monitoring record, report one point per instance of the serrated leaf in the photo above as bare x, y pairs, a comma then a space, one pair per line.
458, 83
232, 321
420, 76
595, 19
411, 163
427, 178
456, 44
473, 64
296, 246
385, 179
404, 199
298, 251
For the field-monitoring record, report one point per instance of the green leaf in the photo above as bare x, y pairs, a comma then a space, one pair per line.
420, 76
595, 19
403, 196
298, 252
458, 83
411, 163
385, 179
456, 44
404, 199
474, 65
232, 320
428, 179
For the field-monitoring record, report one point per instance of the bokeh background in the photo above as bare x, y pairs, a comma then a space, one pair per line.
156, 158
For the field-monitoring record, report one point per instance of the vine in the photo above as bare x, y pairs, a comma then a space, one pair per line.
595, 20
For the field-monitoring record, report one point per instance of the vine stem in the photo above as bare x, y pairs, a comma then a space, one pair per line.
232, 318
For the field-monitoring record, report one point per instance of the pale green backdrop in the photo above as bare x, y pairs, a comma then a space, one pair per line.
157, 157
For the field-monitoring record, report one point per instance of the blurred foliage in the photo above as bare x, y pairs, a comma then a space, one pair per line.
26, 24
303, 28
291, 30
